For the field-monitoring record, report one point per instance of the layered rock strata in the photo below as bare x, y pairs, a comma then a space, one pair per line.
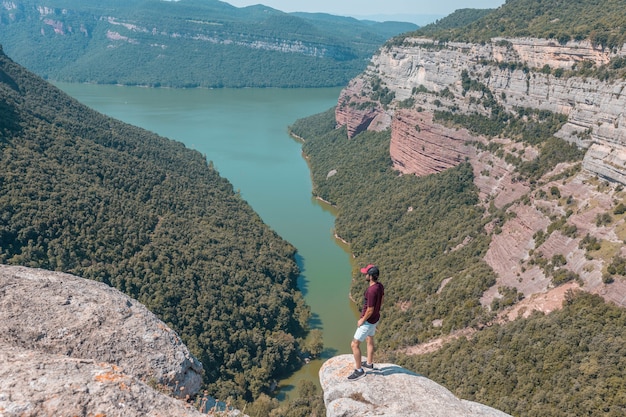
430, 75
407, 84
438, 148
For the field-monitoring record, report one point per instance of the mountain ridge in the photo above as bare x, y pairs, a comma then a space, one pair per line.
221, 45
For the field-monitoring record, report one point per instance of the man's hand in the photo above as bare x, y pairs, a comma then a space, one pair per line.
367, 315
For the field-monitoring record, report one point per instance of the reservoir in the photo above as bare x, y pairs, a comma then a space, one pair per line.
244, 133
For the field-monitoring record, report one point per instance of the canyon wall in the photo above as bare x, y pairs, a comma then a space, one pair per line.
406, 84
420, 70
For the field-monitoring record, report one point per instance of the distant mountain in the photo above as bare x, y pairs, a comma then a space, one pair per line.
418, 19
188, 43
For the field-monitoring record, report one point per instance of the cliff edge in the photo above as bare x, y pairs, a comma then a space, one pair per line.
72, 346
408, 84
391, 391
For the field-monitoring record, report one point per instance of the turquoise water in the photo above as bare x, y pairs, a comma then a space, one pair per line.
244, 133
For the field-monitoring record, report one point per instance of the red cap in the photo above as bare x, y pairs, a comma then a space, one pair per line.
370, 269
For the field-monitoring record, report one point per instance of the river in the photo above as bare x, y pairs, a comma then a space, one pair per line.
244, 133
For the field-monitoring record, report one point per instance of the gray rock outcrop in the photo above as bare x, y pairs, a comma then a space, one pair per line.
429, 75
71, 344
34, 383
391, 391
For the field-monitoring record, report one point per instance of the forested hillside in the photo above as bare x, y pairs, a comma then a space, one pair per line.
604, 22
458, 19
188, 43
428, 236
85, 194
397, 222
463, 170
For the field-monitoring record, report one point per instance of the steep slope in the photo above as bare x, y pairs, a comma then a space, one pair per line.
85, 194
487, 180
188, 43
435, 85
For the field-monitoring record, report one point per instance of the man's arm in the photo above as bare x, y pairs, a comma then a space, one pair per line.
367, 315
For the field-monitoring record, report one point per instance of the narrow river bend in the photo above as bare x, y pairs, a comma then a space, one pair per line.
244, 133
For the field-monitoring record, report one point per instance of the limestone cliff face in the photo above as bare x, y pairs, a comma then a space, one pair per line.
421, 147
357, 112
421, 71
391, 391
405, 85
72, 346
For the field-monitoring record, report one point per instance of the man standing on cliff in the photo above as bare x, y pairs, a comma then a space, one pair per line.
366, 326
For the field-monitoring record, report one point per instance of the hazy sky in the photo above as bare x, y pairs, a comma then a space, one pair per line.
361, 8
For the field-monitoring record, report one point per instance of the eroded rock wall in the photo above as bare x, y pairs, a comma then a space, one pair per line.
430, 75
547, 219
421, 147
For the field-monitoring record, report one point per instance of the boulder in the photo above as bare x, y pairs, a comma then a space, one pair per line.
34, 383
60, 314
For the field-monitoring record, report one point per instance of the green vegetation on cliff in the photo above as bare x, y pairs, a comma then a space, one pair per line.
571, 362
420, 231
458, 19
601, 22
88, 195
188, 43
427, 234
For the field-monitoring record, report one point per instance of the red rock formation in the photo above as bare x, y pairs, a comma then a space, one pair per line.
421, 147
356, 111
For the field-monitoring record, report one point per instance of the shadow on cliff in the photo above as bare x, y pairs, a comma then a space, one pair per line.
390, 370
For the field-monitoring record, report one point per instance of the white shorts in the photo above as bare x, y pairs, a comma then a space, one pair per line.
366, 329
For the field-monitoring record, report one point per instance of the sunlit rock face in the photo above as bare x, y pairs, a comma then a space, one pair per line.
408, 84
73, 346
390, 391
423, 76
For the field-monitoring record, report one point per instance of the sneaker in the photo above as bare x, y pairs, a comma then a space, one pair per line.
356, 374
364, 364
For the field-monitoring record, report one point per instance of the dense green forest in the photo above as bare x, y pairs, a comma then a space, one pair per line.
569, 363
397, 223
601, 22
88, 195
188, 43
427, 234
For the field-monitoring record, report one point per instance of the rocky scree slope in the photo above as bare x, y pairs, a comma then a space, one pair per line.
568, 221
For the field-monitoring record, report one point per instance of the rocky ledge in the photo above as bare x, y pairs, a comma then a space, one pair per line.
391, 391
71, 346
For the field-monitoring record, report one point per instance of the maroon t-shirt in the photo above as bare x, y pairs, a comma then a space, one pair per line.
373, 297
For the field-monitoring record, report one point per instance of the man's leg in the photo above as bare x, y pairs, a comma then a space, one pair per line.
356, 351
370, 349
